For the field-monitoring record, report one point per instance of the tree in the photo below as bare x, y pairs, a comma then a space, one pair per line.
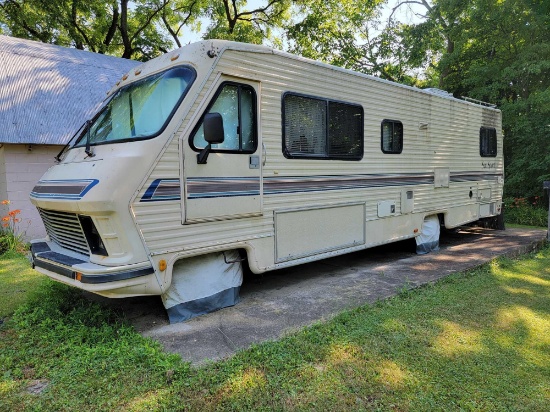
232, 20
498, 52
352, 35
177, 14
123, 28
138, 29
502, 55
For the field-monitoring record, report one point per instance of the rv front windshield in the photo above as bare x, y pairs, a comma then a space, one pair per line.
140, 110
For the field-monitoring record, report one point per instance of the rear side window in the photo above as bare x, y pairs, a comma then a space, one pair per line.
488, 142
392, 136
320, 128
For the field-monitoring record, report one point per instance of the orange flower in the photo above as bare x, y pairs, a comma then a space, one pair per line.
5, 218
5, 224
5, 202
14, 212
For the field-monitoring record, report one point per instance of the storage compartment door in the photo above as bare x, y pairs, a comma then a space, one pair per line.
306, 232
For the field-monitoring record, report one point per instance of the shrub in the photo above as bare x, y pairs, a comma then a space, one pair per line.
11, 239
524, 211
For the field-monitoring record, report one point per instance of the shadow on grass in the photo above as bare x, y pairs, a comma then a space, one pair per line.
469, 342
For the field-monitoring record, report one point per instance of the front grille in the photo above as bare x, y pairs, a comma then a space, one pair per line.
65, 230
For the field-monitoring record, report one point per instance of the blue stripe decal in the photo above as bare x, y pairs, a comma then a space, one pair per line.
211, 187
74, 189
277, 185
219, 187
457, 177
161, 190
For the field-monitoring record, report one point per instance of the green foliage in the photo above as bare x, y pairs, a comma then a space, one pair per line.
10, 241
522, 211
235, 20
139, 29
501, 54
123, 28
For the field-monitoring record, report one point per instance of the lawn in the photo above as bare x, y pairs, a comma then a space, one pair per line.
476, 341
17, 282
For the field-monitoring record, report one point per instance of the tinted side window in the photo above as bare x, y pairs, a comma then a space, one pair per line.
345, 130
321, 128
488, 142
237, 105
392, 136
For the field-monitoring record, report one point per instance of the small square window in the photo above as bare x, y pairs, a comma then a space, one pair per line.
488, 142
392, 136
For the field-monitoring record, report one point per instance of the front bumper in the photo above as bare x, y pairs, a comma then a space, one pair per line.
71, 268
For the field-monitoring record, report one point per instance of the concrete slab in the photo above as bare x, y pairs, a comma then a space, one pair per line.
278, 302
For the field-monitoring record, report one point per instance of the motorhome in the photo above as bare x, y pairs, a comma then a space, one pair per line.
243, 154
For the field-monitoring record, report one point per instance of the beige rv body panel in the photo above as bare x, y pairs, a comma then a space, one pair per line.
441, 142
307, 209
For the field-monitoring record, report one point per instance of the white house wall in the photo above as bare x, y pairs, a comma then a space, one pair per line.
20, 169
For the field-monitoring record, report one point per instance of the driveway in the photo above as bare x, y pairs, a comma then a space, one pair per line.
278, 302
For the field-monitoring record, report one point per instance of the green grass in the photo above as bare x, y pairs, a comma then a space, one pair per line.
518, 226
17, 282
475, 341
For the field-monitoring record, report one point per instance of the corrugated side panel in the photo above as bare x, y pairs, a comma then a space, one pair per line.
451, 140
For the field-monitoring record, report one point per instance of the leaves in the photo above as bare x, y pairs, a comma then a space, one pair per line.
502, 55
123, 28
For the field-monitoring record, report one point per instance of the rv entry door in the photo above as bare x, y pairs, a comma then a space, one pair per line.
223, 158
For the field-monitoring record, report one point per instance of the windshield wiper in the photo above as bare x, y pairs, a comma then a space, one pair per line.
58, 157
88, 149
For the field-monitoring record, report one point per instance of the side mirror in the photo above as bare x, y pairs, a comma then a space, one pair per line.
212, 126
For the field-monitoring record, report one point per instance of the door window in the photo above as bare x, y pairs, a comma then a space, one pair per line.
237, 105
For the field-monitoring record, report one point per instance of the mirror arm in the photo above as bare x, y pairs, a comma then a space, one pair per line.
203, 155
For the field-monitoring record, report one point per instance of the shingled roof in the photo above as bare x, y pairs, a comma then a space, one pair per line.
47, 92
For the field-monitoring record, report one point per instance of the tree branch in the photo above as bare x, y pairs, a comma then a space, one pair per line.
258, 10
148, 21
420, 2
112, 29
44, 37
74, 12
175, 34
